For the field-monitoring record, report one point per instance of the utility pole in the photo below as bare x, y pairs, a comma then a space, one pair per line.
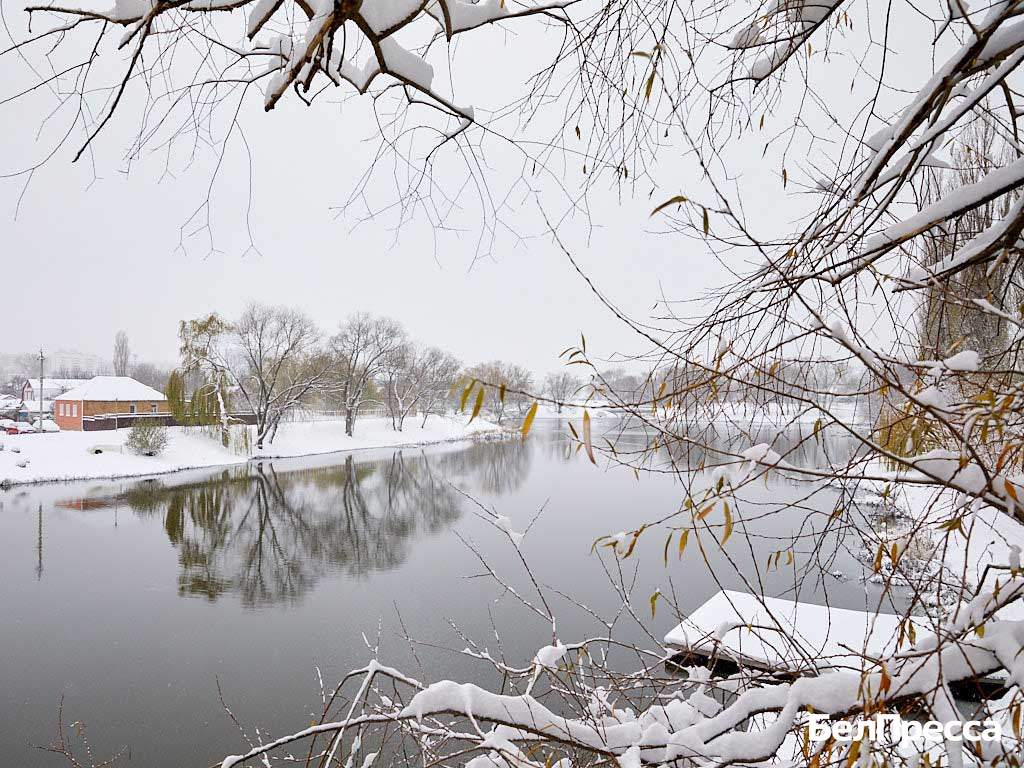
41, 358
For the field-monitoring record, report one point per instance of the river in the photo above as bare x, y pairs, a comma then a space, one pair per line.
133, 600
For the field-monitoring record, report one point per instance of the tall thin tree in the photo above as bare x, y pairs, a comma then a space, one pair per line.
122, 354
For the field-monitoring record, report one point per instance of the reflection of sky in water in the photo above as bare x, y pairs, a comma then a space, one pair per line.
134, 598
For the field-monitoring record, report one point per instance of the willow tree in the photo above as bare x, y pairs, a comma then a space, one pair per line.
269, 359
175, 392
948, 323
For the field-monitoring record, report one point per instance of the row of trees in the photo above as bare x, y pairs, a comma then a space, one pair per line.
273, 360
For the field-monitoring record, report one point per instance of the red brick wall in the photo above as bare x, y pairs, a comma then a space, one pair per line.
68, 421
142, 407
99, 408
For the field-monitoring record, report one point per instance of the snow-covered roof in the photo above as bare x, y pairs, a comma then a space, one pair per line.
112, 388
783, 634
49, 383
32, 406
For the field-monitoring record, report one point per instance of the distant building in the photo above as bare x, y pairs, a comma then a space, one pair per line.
29, 410
109, 402
51, 388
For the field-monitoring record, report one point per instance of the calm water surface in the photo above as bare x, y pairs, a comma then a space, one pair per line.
132, 600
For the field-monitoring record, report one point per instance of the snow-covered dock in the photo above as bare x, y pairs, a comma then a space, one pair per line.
794, 639
784, 636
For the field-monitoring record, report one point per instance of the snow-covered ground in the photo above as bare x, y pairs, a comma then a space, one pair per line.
72, 456
739, 412
933, 558
846, 410
596, 410
991, 536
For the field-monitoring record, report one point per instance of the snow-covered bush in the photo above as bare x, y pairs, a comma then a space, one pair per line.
147, 437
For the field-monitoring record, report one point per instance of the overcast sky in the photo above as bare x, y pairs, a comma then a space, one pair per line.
96, 256
97, 248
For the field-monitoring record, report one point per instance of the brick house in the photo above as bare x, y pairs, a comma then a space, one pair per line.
109, 402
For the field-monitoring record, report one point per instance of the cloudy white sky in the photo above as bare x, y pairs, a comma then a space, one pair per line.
95, 255
95, 244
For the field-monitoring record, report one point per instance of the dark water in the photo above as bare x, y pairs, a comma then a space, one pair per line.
133, 600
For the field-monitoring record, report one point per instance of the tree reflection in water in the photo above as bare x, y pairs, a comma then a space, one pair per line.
798, 443
268, 535
494, 467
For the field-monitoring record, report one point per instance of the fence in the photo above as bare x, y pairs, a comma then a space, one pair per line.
104, 421
296, 415
313, 414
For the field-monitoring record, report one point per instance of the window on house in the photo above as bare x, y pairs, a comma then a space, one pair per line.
74, 409
131, 408
152, 407
60, 409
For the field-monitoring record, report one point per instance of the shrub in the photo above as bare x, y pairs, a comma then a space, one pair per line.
147, 438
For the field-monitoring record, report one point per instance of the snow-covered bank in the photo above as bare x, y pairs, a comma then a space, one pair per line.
568, 412
739, 413
941, 562
847, 410
71, 456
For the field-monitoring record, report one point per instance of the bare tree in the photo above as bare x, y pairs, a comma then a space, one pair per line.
508, 385
439, 373
359, 351
617, 381
398, 382
560, 387
270, 359
287, 49
151, 375
122, 354
416, 378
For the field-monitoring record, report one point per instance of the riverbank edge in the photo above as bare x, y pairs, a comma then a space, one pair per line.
495, 432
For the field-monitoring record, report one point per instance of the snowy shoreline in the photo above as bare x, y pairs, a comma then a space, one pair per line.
68, 456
